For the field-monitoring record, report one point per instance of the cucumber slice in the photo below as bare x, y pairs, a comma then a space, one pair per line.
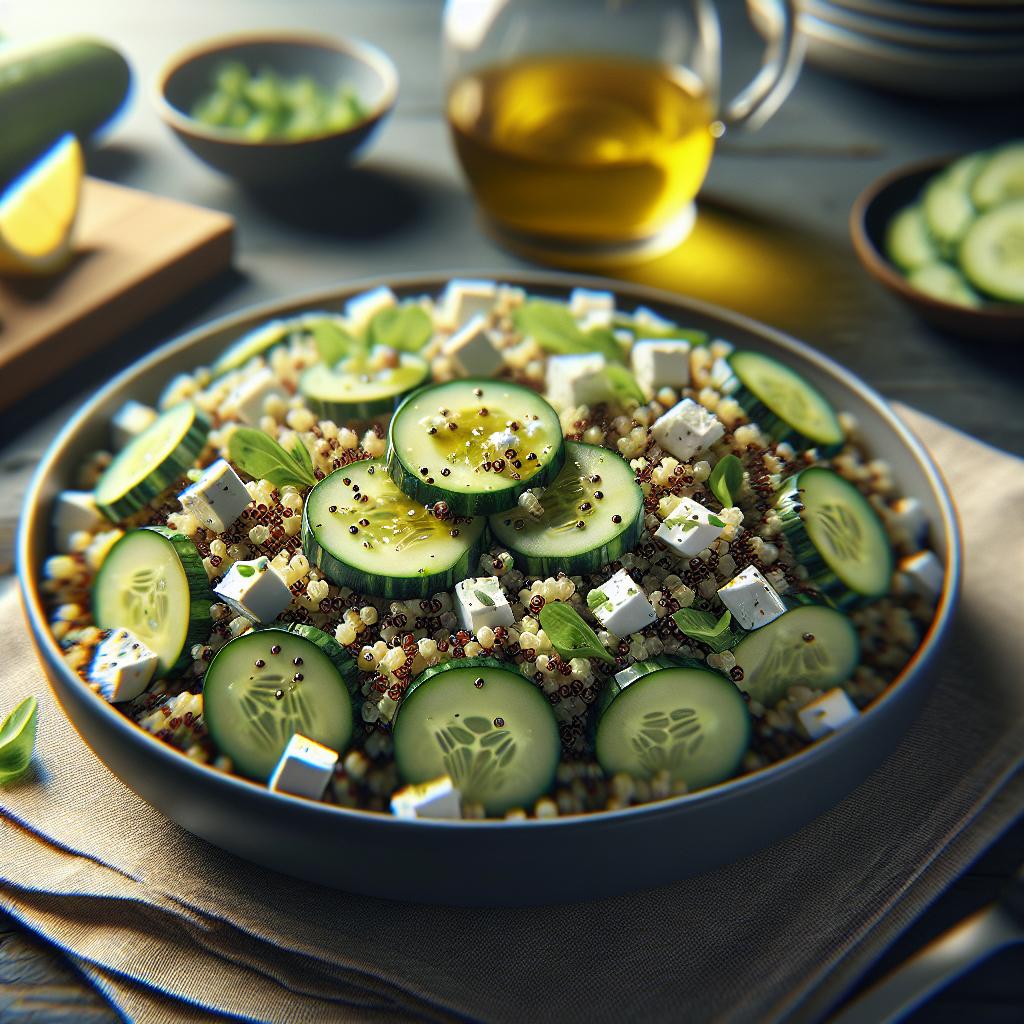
452, 443
947, 202
810, 645
836, 534
597, 489
387, 544
785, 404
674, 717
257, 342
1001, 178
153, 584
992, 253
263, 687
480, 722
907, 240
152, 461
354, 390
945, 283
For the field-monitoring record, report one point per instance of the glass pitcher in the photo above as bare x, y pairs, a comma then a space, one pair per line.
586, 127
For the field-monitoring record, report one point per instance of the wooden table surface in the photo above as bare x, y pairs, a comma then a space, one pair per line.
771, 241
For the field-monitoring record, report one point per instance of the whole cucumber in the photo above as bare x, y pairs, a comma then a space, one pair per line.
63, 85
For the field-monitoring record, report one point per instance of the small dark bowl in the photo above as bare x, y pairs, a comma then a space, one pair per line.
189, 75
870, 215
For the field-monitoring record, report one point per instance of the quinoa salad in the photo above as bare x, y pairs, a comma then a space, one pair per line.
486, 554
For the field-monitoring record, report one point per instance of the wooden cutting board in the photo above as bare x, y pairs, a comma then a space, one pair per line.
134, 253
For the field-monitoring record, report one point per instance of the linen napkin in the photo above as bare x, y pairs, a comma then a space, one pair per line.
170, 928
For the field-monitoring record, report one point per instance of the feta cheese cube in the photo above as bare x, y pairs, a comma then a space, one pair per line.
910, 519
129, 421
645, 318
73, 512
472, 349
361, 309
690, 528
923, 574
481, 602
304, 769
217, 498
254, 589
621, 605
464, 300
595, 318
246, 399
661, 363
751, 599
435, 799
687, 429
827, 713
122, 666
584, 301
576, 380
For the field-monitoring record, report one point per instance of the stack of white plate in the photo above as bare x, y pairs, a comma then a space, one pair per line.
924, 47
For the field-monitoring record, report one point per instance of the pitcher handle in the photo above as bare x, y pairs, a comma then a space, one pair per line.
783, 56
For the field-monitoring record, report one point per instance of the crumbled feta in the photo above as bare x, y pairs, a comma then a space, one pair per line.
661, 364
827, 713
576, 380
304, 769
129, 421
73, 512
217, 498
687, 429
584, 301
246, 400
645, 318
909, 518
481, 602
472, 349
122, 666
464, 300
254, 589
751, 599
594, 319
361, 309
690, 528
435, 799
621, 605
923, 574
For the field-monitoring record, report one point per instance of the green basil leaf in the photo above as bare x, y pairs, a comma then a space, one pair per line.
703, 626
263, 458
601, 339
623, 384
333, 342
484, 598
554, 328
17, 739
726, 479
300, 453
569, 634
406, 328
715, 521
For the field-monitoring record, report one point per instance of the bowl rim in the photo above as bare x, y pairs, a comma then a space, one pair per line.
28, 571
876, 264
367, 53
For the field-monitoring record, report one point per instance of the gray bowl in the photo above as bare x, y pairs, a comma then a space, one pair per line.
188, 76
473, 862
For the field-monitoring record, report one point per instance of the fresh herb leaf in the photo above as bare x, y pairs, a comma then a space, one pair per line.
623, 384
333, 342
553, 327
726, 479
715, 521
703, 626
484, 598
406, 328
569, 634
246, 570
300, 453
17, 739
263, 458
601, 339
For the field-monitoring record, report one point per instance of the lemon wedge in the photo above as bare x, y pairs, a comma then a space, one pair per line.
38, 211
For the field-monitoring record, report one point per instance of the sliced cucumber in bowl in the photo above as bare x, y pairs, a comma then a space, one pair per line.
992, 253
363, 386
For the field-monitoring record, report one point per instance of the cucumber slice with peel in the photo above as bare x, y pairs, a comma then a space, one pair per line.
152, 461
1001, 178
264, 686
945, 283
992, 253
592, 514
947, 202
257, 342
153, 584
675, 717
362, 386
364, 533
908, 242
811, 645
835, 533
474, 444
482, 723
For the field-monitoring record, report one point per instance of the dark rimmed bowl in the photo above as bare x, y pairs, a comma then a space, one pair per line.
482, 862
189, 75
871, 213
